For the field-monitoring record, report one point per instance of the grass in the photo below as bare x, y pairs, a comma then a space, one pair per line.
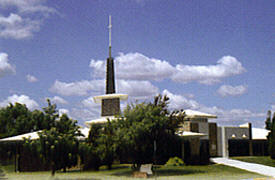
209, 172
265, 160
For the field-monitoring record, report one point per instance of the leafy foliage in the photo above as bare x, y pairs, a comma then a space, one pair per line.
18, 119
141, 125
174, 161
57, 145
102, 143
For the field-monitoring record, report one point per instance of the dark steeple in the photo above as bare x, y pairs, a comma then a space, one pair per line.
110, 73
110, 106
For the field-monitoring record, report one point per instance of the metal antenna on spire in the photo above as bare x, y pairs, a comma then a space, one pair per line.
110, 35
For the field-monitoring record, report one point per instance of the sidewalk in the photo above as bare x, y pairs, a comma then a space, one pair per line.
252, 167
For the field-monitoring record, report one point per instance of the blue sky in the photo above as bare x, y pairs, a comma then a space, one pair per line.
210, 56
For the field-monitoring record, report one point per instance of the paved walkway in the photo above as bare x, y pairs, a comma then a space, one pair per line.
257, 168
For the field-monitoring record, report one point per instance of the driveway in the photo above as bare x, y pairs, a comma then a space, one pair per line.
252, 167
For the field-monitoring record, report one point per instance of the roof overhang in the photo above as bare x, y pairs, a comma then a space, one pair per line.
98, 99
31, 136
100, 120
190, 135
196, 114
34, 136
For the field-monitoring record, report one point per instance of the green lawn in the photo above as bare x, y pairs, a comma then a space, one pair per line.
208, 172
265, 160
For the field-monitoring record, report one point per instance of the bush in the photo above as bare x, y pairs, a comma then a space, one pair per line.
174, 161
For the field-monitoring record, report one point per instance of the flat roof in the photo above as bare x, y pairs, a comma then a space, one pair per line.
100, 120
189, 134
34, 135
98, 99
197, 114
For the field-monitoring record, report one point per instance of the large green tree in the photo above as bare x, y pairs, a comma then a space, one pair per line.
59, 145
141, 126
58, 141
15, 119
101, 150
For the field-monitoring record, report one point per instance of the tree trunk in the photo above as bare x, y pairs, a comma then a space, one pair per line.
109, 166
53, 169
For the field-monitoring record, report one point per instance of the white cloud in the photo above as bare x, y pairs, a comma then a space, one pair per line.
137, 89
28, 6
16, 27
140, 89
83, 114
63, 111
227, 90
5, 67
89, 103
78, 88
58, 100
225, 67
25, 20
273, 107
179, 102
22, 99
136, 66
232, 116
31, 78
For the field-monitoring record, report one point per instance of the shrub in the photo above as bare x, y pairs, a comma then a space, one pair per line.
174, 161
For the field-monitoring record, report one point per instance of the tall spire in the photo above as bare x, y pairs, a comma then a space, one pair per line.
110, 73
110, 102
110, 35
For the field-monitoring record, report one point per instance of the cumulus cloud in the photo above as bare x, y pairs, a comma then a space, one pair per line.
5, 67
136, 66
28, 6
137, 89
22, 99
25, 20
180, 101
58, 100
225, 67
233, 116
31, 78
78, 88
84, 114
89, 103
227, 90
16, 27
63, 111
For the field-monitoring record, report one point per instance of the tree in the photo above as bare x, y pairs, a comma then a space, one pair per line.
271, 139
59, 145
14, 120
141, 125
51, 114
101, 146
268, 123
